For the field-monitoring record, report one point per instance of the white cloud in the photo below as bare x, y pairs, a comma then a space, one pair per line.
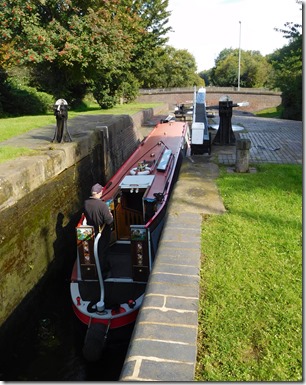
205, 27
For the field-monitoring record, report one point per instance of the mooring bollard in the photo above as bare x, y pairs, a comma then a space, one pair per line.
61, 133
242, 155
225, 134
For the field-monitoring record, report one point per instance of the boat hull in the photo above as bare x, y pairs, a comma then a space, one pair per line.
137, 195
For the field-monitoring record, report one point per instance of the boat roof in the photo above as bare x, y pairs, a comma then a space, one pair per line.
155, 151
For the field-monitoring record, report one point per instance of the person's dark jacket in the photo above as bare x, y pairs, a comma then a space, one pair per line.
97, 213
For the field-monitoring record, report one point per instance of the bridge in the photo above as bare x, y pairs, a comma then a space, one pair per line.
258, 98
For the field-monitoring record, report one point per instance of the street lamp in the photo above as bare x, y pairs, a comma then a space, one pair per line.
239, 57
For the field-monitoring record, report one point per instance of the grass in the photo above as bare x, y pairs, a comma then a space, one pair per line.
273, 112
250, 319
9, 153
11, 127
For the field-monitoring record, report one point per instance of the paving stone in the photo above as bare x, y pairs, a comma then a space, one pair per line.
172, 289
169, 317
172, 333
187, 258
168, 248
127, 372
180, 234
185, 219
168, 302
184, 245
167, 371
175, 268
173, 278
163, 350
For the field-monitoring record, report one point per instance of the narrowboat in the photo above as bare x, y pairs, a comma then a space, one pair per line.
137, 195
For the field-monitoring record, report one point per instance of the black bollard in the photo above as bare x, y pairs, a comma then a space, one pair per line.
61, 133
225, 134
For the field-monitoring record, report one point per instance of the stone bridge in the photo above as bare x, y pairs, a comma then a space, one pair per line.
259, 99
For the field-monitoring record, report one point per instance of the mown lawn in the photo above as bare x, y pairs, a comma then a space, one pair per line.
250, 320
11, 127
273, 112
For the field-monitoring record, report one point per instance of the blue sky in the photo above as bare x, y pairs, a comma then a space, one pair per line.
206, 27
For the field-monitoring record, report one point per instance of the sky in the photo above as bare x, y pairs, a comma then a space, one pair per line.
206, 27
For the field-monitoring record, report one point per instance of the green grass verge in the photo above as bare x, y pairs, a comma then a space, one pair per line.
250, 320
9, 153
273, 112
11, 127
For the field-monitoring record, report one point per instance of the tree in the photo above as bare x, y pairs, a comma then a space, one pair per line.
153, 19
173, 68
255, 69
71, 46
71, 40
288, 72
206, 76
224, 73
288, 66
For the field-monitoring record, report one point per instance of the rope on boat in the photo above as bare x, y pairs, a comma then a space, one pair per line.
137, 171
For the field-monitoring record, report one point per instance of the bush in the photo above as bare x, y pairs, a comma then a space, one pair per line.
104, 97
23, 100
292, 99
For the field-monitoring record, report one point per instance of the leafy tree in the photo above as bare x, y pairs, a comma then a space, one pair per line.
72, 40
173, 68
254, 69
288, 67
224, 74
153, 17
206, 76
71, 46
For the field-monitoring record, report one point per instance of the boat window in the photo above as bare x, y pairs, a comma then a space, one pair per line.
162, 165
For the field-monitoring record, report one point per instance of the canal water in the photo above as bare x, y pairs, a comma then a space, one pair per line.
43, 340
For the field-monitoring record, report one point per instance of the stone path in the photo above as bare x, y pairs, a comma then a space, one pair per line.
272, 140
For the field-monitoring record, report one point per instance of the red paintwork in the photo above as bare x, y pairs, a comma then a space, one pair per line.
150, 150
115, 322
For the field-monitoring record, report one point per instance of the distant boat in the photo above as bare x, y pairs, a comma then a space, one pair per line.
137, 195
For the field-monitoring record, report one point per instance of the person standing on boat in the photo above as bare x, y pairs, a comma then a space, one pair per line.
98, 215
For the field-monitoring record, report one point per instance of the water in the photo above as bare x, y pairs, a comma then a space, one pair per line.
43, 340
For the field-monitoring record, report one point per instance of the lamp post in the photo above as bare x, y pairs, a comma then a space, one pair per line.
239, 57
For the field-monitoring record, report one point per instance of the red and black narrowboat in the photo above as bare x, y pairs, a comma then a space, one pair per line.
137, 196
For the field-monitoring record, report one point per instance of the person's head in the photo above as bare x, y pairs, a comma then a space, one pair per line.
96, 190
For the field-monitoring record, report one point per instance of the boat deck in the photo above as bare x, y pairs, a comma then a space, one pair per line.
115, 292
120, 260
